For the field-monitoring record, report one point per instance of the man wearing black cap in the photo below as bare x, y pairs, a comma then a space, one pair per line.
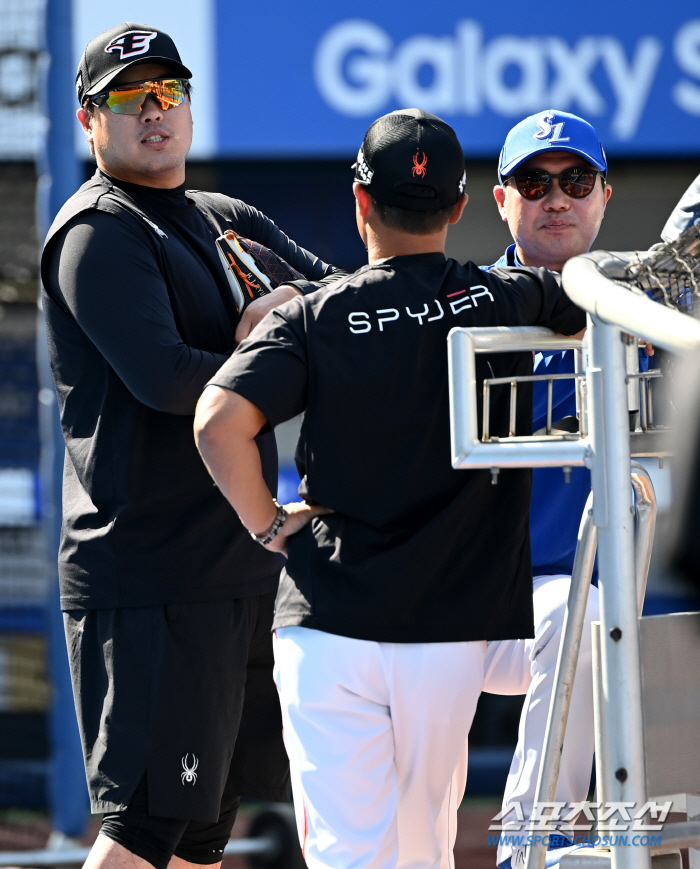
167, 600
386, 601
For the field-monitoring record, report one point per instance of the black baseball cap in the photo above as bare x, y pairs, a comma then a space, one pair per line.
413, 147
118, 49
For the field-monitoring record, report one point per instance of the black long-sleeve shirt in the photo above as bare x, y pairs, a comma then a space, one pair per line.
139, 317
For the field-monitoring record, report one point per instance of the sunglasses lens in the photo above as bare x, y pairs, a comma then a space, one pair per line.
533, 185
129, 100
126, 101
169, 93
578, 183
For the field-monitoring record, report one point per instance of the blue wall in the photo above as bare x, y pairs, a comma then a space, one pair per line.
307, 79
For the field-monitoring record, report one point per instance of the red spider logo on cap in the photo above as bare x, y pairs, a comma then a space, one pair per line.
419, 168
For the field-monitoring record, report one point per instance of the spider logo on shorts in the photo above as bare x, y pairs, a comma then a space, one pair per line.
189, 775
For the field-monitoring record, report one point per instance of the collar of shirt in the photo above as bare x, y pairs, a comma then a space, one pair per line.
412, 258
162, 196
509, 259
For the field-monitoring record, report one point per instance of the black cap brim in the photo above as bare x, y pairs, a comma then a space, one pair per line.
178, 70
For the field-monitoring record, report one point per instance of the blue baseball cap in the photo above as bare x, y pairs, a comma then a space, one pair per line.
550, 131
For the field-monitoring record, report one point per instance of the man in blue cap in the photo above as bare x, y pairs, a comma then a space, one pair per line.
551, 222
552, 192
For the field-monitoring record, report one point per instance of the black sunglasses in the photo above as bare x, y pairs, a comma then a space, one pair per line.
533, 184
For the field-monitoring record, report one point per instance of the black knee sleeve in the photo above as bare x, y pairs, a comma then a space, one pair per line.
151, 838
205, 843
156, 839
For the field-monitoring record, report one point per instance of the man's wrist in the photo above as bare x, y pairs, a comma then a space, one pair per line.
273, 530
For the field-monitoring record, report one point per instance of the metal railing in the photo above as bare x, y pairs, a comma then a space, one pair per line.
613, 310
468, 449
603, 445
471, 449
644, 504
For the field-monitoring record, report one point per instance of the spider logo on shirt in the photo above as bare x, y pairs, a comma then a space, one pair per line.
189, 775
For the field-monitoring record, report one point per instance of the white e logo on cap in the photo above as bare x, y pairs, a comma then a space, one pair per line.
547, 129
132, 43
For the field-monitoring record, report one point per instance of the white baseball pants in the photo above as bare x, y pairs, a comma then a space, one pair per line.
527, 666
374, 732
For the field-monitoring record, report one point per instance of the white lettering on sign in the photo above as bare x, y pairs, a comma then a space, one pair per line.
631, 82
527, 57
415, 53
686, 49
358, 71
572, 66
351, 68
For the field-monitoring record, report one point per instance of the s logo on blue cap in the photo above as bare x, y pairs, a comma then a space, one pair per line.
549, 130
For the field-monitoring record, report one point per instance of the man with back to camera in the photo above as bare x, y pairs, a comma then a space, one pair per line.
386, 602
552, 192
168, 602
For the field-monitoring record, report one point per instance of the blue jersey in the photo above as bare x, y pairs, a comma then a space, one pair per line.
556, 506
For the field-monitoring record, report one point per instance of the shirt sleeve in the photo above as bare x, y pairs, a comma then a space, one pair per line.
316, 272
685, 214
270, 367
549, 306
106, 274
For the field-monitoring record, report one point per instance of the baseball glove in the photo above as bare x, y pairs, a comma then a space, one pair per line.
252, 269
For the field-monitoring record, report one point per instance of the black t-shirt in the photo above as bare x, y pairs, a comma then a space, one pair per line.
139, 316
415, 551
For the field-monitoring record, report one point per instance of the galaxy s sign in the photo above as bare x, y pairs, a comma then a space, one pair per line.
360, 72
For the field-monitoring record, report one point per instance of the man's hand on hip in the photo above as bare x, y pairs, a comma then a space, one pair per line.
298, 515
257, 309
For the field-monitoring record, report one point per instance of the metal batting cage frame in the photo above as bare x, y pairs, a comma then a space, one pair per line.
621, 516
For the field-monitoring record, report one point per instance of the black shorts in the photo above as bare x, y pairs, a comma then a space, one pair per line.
183, 693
